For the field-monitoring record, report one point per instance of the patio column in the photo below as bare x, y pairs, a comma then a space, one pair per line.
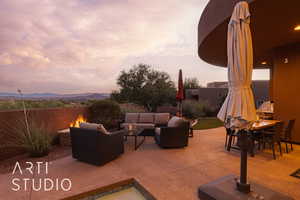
271, 83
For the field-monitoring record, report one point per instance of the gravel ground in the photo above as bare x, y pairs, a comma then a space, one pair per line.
6, 166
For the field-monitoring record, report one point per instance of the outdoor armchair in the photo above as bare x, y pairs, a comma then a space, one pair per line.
94, 147
173, 137
287, 136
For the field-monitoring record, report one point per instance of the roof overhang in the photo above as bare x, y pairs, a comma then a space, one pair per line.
272, 26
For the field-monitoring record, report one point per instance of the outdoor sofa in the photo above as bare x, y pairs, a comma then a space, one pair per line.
95, 147
146, 121
174, 135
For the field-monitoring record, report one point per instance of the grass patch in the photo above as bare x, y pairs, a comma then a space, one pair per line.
207, 123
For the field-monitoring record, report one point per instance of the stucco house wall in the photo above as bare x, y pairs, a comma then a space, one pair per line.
213, 95
286, 85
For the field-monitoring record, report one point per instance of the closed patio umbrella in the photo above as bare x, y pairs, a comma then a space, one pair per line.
239, 101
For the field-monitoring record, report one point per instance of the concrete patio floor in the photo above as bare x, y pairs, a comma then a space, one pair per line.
166, 173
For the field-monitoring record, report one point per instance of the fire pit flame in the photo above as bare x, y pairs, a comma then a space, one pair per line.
79, 119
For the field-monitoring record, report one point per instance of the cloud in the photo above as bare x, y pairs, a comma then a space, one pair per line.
82, 45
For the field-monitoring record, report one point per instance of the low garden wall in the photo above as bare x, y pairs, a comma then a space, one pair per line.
53, 119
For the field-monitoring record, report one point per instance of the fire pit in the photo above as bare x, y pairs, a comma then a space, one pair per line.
64, 134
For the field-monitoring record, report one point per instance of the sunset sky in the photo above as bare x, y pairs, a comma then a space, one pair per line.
74, 46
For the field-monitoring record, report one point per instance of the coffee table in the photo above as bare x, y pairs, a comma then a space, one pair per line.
135, 133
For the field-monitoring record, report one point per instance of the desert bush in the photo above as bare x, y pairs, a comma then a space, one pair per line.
18, 104
33, 138
106, 112
192, 109
167, 109
210, 111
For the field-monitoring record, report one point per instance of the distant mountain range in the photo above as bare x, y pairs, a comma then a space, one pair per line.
81, 96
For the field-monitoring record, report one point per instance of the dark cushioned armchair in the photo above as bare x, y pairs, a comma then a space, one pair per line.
94, 147
173, 137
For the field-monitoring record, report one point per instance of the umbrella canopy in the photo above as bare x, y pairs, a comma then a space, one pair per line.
180, 91
239, 101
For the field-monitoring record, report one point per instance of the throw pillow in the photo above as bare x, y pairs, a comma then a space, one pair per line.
94, 126
175, 121
91, 126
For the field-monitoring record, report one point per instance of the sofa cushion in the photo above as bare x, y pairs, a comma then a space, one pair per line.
175, 121
146, 118
161, 118
157, 131
145, 126
131, 117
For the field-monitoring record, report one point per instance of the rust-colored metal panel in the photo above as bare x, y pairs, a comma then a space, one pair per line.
53, 119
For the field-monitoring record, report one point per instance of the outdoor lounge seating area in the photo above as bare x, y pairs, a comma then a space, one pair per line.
169, 173
93, 144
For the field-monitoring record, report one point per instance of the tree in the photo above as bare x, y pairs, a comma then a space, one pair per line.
191, 83
145, 86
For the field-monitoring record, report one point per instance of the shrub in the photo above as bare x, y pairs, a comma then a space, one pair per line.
33, 138
106, 112
167, 109
192, 109
131, 108
209, 111
18, 104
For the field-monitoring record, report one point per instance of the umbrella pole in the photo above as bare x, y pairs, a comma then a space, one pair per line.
180, 108
242, 184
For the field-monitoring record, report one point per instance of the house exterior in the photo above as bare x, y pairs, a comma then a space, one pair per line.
275, 27
215, 92
212, 96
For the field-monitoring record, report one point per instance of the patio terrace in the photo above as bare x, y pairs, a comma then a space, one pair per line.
168, 173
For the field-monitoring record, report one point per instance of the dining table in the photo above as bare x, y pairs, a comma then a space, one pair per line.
263, 124
257, 126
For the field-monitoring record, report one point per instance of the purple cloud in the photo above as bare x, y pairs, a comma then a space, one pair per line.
82, 45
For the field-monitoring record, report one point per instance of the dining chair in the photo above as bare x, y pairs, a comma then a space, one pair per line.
287, 135
227, 136
230, 138
257, 136
274, 137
